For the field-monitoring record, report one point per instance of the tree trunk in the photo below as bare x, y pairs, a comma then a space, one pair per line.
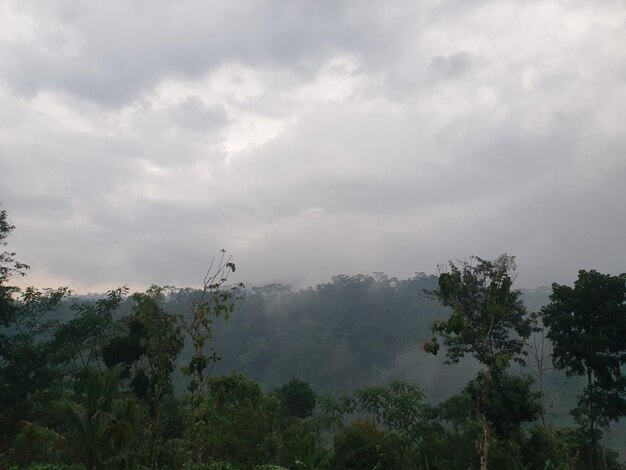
592, 419
485, 443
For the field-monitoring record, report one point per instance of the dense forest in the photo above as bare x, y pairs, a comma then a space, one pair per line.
451, 371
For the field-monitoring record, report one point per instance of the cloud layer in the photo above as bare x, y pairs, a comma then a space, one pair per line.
137, 139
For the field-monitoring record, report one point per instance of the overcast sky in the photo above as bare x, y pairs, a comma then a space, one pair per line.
311, 138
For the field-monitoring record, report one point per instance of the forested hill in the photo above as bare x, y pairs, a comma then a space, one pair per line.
351, 332
337, 339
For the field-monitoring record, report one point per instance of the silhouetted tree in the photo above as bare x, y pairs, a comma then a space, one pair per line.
488, 321
587, 325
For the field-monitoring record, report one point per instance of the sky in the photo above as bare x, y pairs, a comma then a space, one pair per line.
311, 138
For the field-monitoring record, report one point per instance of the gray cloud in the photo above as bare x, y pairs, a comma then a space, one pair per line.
197, 116
311, 138
452, 65
111, 54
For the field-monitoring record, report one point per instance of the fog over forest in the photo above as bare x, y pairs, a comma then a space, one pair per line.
313, 235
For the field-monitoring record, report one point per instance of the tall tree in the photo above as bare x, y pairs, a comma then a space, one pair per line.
511, 404
297, 399
27, 358
400, 410
488, 321
587, 325
213, 301
150, 343
8, 267
149, 349
239, 422
83, 338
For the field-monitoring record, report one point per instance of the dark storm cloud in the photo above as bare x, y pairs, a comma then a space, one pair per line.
311, 138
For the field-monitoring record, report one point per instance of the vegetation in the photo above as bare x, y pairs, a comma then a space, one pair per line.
587, 325
135, 381
488, 321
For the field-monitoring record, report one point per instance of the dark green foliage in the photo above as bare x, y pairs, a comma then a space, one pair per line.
161, 342
81, 339
506, 454
38, 444
355, 326
400, 410
361, 446
8, 267
511, 402
125, 349
550, 449
46, 466
559, 449
211, 466
399, 407
332, 408
297, 399
236, 422
149, 346
487, 321
105, 421
29, 360
300, 445
587, 325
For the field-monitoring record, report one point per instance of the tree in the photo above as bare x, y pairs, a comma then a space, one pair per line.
297, 399
587, 325
511, 402
488, 321
163, 342
29, 370
149, 350
213, 301
83, 338
28, 358
238, 421
362, 446
400, 410
539, 349
150, 346
105, 421
8, 267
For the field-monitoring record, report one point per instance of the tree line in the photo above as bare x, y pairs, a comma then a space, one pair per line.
134, 381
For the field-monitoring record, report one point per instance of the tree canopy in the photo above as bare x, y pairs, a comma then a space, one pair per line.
587, 325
